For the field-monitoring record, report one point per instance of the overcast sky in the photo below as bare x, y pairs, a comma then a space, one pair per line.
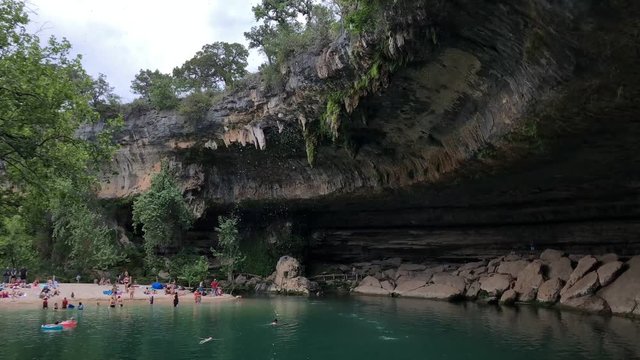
120, 37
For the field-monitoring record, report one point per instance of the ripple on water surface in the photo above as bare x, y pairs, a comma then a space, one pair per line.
361, 328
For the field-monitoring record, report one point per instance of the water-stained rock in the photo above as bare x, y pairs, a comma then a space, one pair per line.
589, 303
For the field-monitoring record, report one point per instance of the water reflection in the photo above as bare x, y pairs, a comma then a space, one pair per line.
365, 327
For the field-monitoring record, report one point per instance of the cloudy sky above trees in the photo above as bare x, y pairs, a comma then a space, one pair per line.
120, 37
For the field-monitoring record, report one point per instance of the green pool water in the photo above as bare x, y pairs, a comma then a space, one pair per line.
341, 328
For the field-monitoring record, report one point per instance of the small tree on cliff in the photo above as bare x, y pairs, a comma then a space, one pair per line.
229, 245
162, 213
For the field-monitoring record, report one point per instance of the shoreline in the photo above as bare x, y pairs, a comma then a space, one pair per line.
90, 294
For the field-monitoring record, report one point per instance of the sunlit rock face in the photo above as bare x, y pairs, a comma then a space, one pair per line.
513, 124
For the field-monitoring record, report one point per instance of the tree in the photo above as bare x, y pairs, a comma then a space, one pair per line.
16, 244
229, 245
216, 66
282, 12
160, 90
281, 34
194, 270
103, 100
43, 103
162, 213
89, 243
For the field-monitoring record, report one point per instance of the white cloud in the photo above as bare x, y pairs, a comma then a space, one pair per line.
120, 37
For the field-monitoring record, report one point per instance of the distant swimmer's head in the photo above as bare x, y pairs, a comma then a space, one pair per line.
274, 322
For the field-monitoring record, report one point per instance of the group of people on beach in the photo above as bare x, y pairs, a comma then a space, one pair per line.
15, 275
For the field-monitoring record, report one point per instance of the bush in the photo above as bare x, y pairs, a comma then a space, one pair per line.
196, 105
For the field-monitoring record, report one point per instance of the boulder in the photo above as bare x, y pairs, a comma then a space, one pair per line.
560, 268
453, 281
496, 284
622, 293
472, 265
405, 273
607, 258
387, 285
240, 280
472, 274
549, 291
586, 264
508, 297
161, 274
422, 276
529, 280
371, 290
585, 286
412, 267
590, 303
370, 281
407, 286
433, 270
286, 268
512, 268
436, 291
389, 274
473, 290
299, 285
550, 255
608, 272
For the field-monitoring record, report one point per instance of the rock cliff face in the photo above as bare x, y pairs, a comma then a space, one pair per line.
510, 124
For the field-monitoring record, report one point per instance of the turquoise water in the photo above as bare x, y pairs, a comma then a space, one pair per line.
348, 328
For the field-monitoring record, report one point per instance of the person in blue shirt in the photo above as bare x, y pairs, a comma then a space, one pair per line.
80, 306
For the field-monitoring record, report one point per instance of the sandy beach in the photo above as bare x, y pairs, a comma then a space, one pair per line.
93, 293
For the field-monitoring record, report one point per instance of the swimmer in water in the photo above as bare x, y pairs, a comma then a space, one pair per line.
206, 340
274, 322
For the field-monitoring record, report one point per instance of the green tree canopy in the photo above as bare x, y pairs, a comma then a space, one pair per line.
216, 66
160, 90
162, 213
45, 99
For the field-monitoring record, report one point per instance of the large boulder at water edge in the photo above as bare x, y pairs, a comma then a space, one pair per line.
288, 279
560, 268
371, 286
549, 291
589, 303
529, 280
508, 297
623, 295
495, 284
409, 285
585, 286
608, 272
586, 264
436, 291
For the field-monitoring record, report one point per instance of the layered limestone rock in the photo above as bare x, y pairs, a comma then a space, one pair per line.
610, 287
501, 128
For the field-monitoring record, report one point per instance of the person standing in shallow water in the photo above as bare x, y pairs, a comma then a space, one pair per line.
175, 300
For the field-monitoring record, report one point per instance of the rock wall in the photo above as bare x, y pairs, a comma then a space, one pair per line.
602, 284
511, 124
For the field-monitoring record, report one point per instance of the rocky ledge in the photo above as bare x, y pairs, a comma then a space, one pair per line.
603, 284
